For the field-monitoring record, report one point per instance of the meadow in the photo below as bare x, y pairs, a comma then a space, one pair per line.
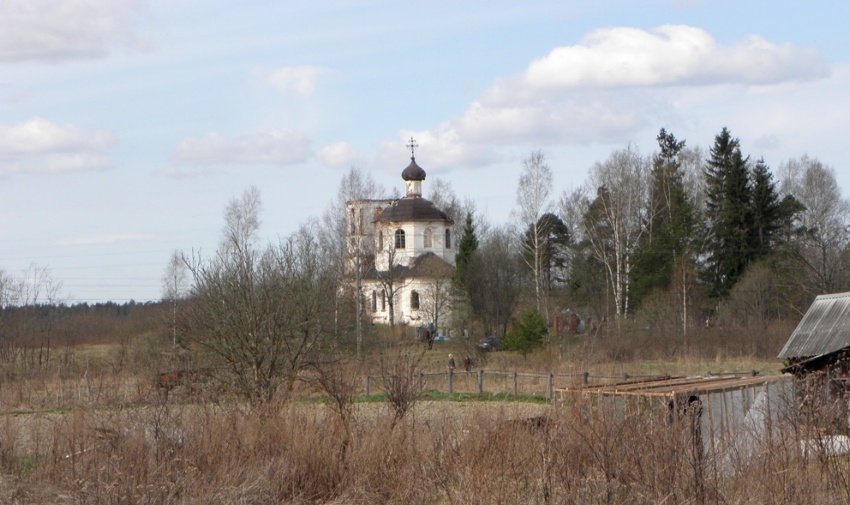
90, 425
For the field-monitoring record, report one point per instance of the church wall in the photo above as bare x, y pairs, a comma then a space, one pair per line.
414, 232
404, 314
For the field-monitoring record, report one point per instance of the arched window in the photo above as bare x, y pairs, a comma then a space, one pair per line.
448, 238
383, 300
399, 239
414, 300
380, 240
351, 222
374, 301
428, 238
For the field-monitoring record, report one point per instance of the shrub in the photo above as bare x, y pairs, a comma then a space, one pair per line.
527, 333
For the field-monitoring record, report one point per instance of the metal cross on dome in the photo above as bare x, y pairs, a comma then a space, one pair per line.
412, 145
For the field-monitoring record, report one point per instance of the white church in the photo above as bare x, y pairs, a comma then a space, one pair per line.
402, 254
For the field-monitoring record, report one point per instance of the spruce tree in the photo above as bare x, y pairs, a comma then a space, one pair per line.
465, 255
671, 222
729, 214
766, 210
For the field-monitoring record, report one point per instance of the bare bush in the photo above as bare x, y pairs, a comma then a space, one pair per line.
399, 379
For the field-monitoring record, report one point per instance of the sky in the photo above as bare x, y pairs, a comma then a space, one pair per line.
127, 126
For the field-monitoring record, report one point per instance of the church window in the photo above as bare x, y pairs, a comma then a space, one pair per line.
428, 237
399, 239
448, 238
414, 300
361, 221
374, 301
351, 222
383, 300
380, 239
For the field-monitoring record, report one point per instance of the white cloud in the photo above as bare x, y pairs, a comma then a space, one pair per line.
281, 147
38, 135
670, 55
613, 83
65, 29
338, 155
301, 80
40, 146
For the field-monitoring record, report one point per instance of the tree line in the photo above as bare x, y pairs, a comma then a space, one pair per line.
682, 236
673, 241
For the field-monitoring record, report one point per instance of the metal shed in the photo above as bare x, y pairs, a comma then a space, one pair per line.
824, 329
733, 409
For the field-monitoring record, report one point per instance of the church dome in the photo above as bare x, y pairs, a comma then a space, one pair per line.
413, 172
412, 209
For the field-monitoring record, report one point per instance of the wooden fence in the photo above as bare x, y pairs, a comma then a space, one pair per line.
494, 382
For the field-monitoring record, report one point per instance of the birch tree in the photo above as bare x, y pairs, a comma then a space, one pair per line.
175, 285
820, 246
352, 259
615, 219
535, 185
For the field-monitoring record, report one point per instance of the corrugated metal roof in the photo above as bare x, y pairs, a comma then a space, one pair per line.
825, 328
671, 386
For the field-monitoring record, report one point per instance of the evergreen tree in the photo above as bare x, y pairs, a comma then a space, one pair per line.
553, 240
729, 214
671, 222
766, 211
527, 333
465, 255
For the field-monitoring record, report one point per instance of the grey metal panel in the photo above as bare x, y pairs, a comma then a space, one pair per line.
825, 328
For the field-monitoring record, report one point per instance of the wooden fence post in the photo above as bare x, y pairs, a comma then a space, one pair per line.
481, 382
516, 383
584, 377
421, 381
451, 380
549, 386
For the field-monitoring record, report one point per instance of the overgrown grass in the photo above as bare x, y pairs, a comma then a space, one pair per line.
93, 428
459, 452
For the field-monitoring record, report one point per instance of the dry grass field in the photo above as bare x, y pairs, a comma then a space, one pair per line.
94, 428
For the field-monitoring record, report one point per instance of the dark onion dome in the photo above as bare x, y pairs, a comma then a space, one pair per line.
413, 172
412, 209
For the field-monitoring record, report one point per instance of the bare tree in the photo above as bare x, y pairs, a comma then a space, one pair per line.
436, 294
616, 218
262, 312
393, 279
175, 286
535, 185
444, 198
347, 236
37, 295
822, 236
496, 278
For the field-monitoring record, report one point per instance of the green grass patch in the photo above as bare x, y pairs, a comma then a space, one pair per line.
27, 464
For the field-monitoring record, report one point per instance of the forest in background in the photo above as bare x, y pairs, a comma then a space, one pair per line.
681, 252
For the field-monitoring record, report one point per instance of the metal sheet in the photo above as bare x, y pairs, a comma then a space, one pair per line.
825, 328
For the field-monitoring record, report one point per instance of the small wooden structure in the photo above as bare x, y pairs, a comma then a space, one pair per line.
818, 354
821, 342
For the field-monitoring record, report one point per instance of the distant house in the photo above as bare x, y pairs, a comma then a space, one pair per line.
402, 254
821, 342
